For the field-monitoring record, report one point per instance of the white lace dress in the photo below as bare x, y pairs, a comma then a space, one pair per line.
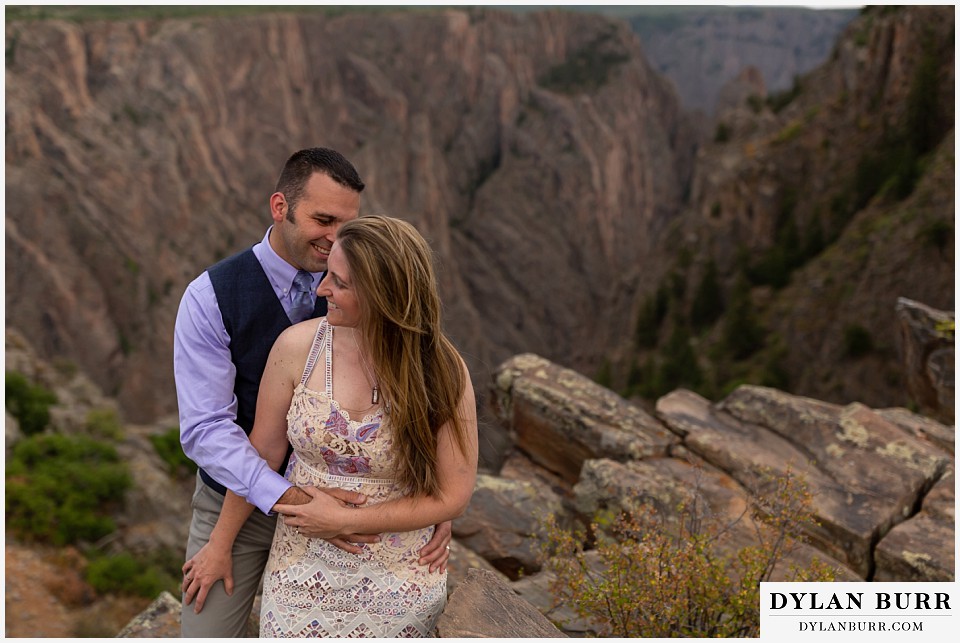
310, 587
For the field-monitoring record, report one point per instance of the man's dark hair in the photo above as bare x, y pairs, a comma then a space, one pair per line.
301, 166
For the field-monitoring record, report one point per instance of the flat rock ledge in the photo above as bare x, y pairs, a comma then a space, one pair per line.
482, 606
161, 620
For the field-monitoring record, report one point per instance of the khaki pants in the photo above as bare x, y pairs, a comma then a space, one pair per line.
226, 616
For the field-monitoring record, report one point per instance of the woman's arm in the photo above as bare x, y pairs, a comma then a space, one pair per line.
457, 472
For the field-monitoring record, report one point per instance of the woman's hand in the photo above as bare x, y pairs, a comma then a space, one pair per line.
200, 574
436, 553
320, 517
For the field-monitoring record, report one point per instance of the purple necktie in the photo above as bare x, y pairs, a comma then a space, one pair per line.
302, 306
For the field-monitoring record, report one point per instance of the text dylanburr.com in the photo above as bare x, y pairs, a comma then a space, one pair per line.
855, 611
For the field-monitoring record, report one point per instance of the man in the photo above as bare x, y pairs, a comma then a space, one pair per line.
228, 319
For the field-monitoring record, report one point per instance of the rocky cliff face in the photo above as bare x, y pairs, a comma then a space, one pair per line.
551, 168
835, 198
700, 49
539, 154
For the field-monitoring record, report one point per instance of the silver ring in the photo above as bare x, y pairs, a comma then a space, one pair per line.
448, 547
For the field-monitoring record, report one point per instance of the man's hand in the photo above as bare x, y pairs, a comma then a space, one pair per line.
304, 508
436, 553
201, 572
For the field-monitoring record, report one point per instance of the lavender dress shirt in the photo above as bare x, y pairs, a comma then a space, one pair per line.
204, 375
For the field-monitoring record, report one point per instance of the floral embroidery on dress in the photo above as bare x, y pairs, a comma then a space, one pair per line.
340, 425
312, 588
345, 465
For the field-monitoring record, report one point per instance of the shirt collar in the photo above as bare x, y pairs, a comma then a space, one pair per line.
279, 272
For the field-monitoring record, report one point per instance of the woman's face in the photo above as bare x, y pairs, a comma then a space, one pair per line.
343, 305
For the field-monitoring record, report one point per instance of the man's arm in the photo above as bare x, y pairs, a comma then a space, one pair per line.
204, 375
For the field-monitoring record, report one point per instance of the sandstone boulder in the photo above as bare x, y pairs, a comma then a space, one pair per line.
536, 589
924, 428
927, 350
561, 418
922, 548
867, 474
160, 620
484, 606
462, 560
503, 522
715, 500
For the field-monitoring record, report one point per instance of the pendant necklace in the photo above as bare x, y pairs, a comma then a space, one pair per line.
375, 393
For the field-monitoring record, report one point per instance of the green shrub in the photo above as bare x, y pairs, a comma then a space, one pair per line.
708, 299
124, 574
167, 446
770, 269
857, 341
666, 577
894, 165
60, 489
29, 403
646, 380
775, 373
104, 423
937, 234
676, 285
605, 375
923, 123
647, 331
680, 366
742, 333
722, 134
586, 69
788, 133
779, 100
789, 251
814, 241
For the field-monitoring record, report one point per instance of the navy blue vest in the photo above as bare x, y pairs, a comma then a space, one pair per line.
254, 318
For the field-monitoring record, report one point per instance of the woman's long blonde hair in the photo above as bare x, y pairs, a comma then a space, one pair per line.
419, 371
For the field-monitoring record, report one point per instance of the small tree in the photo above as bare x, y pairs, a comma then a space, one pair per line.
680, 366
29, 403
663, 578
742, 333
708, 300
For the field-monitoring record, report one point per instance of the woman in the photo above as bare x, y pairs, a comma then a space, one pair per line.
374, 399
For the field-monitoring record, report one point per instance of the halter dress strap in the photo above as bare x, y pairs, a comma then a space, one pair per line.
314, 351
328, 341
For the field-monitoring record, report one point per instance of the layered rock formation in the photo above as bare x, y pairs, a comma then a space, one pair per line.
836, 198
546, 161
881, 480
140, 151
867, 470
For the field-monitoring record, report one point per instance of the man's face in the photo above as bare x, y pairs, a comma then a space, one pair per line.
303, 237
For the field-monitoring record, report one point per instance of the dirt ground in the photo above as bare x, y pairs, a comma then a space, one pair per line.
46, 596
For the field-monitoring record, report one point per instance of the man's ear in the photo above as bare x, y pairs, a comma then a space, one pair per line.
278, 207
